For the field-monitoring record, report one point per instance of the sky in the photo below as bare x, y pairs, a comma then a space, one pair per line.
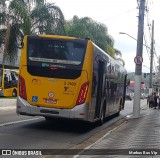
120, 16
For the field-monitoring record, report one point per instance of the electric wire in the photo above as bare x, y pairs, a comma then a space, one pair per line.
123, 13
147, 48
147, 34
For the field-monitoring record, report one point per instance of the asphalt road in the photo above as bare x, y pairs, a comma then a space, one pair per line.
23, 132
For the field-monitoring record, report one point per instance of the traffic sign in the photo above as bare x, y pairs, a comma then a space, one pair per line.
138, 60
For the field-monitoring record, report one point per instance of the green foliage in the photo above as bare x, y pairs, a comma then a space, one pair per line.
111, 51
29, 17
19, 11
97, 32
38, 17
118, 53
2, 36
47, 19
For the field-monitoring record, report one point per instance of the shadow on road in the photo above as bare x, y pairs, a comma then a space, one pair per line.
64, 125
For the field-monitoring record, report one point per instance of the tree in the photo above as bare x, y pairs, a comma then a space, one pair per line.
117, 52
2, 23
29, 17
97, 32
87, 28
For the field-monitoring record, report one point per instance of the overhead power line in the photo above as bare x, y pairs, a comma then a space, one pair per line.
115, 16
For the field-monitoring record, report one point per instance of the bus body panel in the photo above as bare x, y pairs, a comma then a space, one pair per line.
8, 82
52, 92
57, 96
78, 112
56, 93
112, 83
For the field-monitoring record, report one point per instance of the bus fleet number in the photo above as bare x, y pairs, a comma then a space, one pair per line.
70, 83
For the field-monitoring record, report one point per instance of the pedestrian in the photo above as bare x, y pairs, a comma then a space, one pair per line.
151, 100
148, 100
155, 101
159, 103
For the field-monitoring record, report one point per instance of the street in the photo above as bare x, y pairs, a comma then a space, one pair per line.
24, 132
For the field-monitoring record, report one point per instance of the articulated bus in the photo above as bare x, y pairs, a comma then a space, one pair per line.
8, 82
68, 77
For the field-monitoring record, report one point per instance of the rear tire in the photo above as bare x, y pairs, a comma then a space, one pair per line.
118, 113
48, 118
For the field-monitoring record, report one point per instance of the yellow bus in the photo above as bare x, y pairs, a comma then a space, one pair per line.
8, 82
67, 77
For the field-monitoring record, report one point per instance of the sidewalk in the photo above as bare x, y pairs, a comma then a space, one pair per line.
7, 104
138, 137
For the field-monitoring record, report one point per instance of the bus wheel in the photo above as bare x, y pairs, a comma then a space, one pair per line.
14, 93
117, 114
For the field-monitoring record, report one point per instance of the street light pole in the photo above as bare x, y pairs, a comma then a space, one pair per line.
127, 35
138, 67
133, 38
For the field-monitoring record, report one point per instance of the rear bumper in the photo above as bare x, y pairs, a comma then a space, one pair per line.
78, 112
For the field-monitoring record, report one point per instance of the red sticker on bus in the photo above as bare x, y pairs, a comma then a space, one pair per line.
51, 101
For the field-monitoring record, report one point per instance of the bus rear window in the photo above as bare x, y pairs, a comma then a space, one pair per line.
56, 51
55, 58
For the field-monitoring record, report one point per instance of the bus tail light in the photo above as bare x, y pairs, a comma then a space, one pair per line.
82, 93
22, 88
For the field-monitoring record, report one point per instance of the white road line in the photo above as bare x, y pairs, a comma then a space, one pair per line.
88, 147
11, 123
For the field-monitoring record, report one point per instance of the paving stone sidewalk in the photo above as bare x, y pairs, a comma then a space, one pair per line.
7, 104
138, 137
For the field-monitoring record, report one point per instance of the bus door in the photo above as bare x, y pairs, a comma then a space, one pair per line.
101, 67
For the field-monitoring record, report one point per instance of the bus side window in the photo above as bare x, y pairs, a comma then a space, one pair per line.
13, 77
13, 81
5, 78
6, 81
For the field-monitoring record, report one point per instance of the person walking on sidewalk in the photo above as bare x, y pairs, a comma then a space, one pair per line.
158, 102
151, 100
155, 101
148, 100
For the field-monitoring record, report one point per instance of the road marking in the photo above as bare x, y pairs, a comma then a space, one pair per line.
88, 147
11, 123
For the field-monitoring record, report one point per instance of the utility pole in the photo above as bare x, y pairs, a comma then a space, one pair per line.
152, 53
158, 76
138, 60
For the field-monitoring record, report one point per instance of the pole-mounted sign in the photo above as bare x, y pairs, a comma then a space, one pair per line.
138, 60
